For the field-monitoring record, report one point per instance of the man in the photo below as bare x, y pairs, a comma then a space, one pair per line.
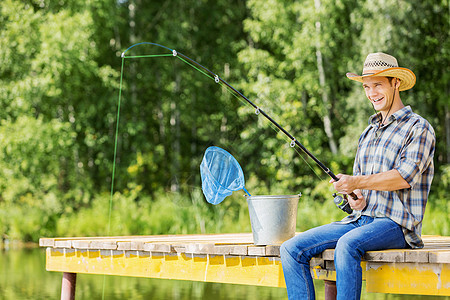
392, 174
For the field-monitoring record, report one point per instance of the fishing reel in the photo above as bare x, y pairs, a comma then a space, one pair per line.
342, 203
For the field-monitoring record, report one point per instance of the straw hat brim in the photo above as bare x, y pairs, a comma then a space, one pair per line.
406, 76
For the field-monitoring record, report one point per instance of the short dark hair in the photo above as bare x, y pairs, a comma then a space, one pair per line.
390, 79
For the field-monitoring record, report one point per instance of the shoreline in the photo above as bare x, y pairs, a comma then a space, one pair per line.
15, 244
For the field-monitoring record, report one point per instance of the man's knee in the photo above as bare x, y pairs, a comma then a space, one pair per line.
293, 250
285, 250
347, 247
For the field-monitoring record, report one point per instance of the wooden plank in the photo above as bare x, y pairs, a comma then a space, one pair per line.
328, 254
317, 262
123, 245
239, 244
231, 249
227, 238
329, 265
231, 238
199, 248
103, 245
179, 248
81, 244
416, 255
385, 255
239, 250
43, 242
63, 244
273, 250
257, 251
440, 257
221, 249
137, 245
426, 238
158, 247
436, 243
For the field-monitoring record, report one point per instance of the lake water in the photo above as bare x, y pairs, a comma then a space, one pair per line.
23, 276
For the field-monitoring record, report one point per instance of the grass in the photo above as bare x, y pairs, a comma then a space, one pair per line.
134, 213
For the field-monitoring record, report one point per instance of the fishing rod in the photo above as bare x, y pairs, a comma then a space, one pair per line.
340, 201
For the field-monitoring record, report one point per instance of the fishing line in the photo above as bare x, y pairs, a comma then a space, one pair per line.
201, 71
213, 76
274, 128
258, 110
234, 94
314, 171
238, 95
277, 128
114, 164
142, 56
115, 147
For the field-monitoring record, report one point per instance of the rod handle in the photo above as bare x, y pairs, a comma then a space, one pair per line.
353, 196
331, 174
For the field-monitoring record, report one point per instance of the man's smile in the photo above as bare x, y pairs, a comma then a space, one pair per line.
378, 99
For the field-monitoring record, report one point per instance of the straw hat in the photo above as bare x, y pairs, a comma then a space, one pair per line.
381, 64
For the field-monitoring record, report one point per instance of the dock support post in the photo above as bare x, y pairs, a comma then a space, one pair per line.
69, 282
330, 290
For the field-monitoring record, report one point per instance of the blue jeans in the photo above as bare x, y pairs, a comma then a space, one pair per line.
350, 241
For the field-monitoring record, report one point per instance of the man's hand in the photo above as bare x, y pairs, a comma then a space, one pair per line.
359, 203
346, 183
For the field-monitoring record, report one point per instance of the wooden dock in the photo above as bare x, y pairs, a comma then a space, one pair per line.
233, 258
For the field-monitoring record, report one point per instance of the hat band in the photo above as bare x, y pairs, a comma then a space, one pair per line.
378, 63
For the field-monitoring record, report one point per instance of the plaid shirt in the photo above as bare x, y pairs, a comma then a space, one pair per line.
406, 143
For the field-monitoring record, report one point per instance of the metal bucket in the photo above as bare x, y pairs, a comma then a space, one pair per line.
273, 218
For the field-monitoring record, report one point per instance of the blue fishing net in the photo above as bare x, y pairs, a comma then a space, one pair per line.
221, 175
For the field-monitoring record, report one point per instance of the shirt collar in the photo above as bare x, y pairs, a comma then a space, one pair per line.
397, 116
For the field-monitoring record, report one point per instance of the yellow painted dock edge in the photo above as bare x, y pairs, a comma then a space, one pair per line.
409, 278
262, 271
397, 278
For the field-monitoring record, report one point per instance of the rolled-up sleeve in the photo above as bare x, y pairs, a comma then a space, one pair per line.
417, 153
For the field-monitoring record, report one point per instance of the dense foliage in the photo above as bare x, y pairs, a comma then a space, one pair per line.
59, 86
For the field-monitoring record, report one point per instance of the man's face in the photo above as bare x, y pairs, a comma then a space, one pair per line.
379, 91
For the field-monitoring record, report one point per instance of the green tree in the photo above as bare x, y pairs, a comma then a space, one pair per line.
59, 81
416, 32
295, 63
